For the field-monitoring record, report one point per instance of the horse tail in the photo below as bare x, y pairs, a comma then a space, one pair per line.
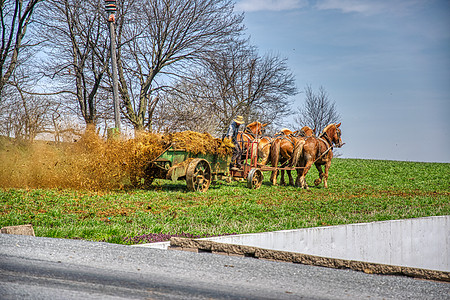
275, 152
297, 152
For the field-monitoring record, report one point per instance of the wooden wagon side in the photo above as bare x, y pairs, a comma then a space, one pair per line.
178, 164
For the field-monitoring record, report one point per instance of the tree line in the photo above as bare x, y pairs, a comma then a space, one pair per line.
182, 65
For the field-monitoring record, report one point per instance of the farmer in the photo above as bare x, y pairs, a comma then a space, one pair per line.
232, 134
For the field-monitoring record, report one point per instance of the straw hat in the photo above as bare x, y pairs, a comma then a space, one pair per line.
239, 120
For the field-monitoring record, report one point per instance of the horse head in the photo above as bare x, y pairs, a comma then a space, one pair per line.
256, 127
333, 132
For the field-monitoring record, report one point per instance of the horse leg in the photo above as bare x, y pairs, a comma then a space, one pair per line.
299, 175
321, 174
297, 159
274, 158
273, 177
291, 180
301, 164
282, 182
308, 165
325, 176
264, 155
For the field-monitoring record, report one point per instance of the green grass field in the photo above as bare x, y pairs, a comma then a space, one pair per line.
359, 191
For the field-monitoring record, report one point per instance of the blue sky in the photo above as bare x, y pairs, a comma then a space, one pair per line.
386, 64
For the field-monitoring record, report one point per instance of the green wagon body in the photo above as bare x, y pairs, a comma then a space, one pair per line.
178, 164
176, 161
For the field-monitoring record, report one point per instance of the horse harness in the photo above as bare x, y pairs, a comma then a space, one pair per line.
271, 139
286, 137
250, 135
326, 140
277, 136
249, 132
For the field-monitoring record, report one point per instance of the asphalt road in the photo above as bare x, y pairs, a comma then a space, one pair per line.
44, 268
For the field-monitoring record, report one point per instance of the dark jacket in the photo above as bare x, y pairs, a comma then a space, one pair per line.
233, 131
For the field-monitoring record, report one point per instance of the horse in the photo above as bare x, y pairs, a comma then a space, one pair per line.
307, 131
319, 151
265, 143
255, 128
285, 149
251, 132
264, 149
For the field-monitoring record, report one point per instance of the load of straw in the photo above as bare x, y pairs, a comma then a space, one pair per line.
203, 143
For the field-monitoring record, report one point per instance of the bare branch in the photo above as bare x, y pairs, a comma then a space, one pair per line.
14, 20
172, 36
318, 110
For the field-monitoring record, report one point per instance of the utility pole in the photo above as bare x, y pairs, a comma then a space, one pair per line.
111, 8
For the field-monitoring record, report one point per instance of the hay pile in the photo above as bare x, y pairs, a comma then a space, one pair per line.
93, 163
203, 143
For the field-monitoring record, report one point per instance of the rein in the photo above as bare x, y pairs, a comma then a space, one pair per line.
249, 136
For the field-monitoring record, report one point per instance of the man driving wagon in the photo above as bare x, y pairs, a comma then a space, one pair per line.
232, 134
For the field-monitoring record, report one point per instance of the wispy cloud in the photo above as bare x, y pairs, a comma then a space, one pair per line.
368, 7
270, 5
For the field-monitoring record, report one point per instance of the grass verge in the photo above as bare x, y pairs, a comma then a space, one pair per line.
359, 191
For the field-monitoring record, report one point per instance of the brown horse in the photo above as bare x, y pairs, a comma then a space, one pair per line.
255, 128
264, 149
252, 132
285, 149
265, 144
307, 131
319, 151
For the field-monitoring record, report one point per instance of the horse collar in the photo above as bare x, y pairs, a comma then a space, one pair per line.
327, 139
248, 131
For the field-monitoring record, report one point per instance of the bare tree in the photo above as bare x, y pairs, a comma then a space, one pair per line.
15, 17
77, 47
185, 108
7, 116
318, 110
164, 39
257, 87
234, 81
24, 116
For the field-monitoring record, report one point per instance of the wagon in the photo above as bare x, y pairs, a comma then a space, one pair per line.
199, 170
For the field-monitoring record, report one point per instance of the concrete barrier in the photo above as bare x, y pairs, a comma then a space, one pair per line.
416, 243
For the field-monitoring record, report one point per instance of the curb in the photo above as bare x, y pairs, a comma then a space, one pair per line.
204, 246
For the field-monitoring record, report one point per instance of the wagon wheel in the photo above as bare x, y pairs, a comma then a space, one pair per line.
198, 175
254, 179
